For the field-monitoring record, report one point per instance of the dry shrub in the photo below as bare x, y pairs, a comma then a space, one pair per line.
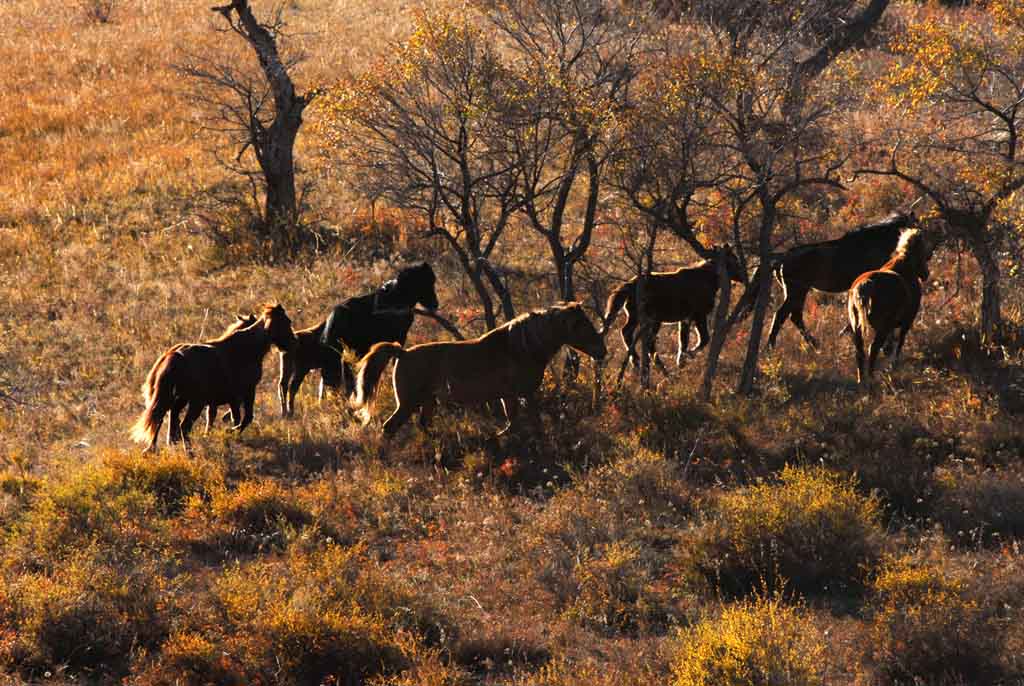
926, 630
977, 506
92, 502
87, 616
810, 528
327, 616
753, 643
255, 516
172, 477
600, 543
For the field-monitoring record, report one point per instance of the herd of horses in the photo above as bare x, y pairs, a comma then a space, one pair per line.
881, 266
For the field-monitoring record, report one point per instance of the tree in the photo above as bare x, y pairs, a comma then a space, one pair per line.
778, 111
425, 130
261, 117
573, 62
956, 91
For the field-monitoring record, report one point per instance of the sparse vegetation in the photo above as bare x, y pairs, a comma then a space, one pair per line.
808, 533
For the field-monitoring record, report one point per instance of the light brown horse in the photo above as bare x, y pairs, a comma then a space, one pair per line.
686, 295
506, 363
225, 370
889, 298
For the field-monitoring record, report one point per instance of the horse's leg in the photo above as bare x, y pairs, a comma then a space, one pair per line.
652, 347
293, 389
511, 405
703, 337
287, 370
174, 421
247, 408
858, 344
194, 410
427, 413
876, 347
797, 317
628, 333
211, 413
684, 342
348, 379
400, 416
899, 346
780, 315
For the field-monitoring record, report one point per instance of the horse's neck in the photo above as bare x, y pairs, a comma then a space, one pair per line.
251, 343
392, 297
904, 267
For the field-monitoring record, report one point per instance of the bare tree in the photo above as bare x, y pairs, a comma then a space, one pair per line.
258, 115
573, 62
426, 131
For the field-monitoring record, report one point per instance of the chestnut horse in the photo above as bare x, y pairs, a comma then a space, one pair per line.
506, 363
686, 295
888, 298
225, 370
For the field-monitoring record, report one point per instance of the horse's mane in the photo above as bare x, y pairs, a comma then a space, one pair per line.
270, 309
911, 243
894, 220
532, 334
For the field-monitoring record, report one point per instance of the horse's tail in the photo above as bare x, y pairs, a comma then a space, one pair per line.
158, 391
858, 306
370, 369
616, 301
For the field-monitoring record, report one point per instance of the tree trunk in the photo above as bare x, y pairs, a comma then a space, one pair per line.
991, 301
764, 288
278, 165
720, 330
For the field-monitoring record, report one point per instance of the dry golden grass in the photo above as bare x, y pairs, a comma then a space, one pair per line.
562, 560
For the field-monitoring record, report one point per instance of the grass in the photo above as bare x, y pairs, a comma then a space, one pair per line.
632, 543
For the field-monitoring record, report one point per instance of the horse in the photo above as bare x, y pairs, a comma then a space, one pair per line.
831, 266
888, 298
225, 370
506, 363
686, 295
384, 315
307, 354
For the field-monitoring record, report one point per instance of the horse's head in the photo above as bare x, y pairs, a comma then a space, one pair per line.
242, 321
580, 332
732, 264
417, 284
332, 372
915, 248
278, 326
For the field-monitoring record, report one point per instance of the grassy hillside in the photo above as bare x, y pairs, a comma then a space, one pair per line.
822, 532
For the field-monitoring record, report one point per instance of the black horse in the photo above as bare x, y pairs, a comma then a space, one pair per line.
832, 266
384, 315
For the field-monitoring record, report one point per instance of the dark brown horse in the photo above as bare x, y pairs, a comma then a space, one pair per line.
223, 371
831, 266
686, 295
888, 299
506, 363
307, 354
384, 315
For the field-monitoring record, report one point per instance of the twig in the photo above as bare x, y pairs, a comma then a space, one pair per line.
445, 324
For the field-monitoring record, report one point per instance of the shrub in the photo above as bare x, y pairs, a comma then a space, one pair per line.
811, 528
171, 477
90, 503
86, 616
925, 630
599, 544
256, 515
976, 506
326, 616
754, 642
